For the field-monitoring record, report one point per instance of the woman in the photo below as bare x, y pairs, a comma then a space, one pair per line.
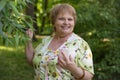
63, 56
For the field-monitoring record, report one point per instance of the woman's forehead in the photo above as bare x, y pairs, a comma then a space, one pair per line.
65, 13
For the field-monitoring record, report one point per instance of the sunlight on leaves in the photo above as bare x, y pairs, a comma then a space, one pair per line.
7, 48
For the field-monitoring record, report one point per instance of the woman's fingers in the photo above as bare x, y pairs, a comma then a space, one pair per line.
71, 58
65, 56
29, 33
61, 61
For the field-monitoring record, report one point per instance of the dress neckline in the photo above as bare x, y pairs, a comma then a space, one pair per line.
60, 45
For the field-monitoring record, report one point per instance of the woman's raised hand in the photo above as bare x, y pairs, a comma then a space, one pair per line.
29, 33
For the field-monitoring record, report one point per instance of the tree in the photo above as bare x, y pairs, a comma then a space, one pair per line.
13, 21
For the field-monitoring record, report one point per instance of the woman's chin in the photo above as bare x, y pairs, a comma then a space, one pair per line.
66, 32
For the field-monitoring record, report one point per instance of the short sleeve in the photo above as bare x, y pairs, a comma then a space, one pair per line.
39, 51
84, 56
43, 44
38, 54
40, 46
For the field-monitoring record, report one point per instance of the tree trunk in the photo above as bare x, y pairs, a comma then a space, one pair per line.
30, 11
45, 3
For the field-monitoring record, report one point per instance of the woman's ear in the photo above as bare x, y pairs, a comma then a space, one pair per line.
54, 28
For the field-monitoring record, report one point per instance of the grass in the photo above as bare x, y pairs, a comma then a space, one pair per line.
13, 64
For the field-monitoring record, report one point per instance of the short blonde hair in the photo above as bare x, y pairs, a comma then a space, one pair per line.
61, 8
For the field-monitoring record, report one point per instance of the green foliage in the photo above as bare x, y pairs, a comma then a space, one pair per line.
98, 23
43, 12
14, 65
13, 21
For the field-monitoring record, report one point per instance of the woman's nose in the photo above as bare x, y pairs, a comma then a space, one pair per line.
66, 21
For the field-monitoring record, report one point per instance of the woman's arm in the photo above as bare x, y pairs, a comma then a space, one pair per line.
80, 74
69, 64
29, 48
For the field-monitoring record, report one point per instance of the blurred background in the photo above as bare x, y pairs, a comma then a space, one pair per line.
98, 22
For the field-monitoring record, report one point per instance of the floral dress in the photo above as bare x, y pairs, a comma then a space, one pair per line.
45, 60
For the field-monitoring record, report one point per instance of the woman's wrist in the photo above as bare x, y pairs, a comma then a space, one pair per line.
77, 72
29, 39
28, 42
82, 75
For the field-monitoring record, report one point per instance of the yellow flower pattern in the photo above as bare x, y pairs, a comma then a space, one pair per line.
45, 60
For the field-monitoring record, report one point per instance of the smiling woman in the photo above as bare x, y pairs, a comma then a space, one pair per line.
64, 24
65, 55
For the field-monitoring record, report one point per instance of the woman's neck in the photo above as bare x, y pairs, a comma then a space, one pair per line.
57, 41
62, 38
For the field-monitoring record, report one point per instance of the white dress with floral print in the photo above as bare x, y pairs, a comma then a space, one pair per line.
45, 60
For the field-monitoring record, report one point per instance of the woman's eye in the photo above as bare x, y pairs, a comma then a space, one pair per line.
70, 19
61, 18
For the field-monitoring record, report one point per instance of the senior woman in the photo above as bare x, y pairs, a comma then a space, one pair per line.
65, 55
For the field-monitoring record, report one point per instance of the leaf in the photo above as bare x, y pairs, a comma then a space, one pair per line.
29, 24
29, 1
2, 4
1, 31
10, 29
1, 25
8, 41
14, 8
17, 38
19, 26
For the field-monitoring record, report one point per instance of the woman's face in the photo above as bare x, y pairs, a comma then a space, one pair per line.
64, 24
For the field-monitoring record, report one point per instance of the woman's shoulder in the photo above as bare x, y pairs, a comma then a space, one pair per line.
46, 39
76, 37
